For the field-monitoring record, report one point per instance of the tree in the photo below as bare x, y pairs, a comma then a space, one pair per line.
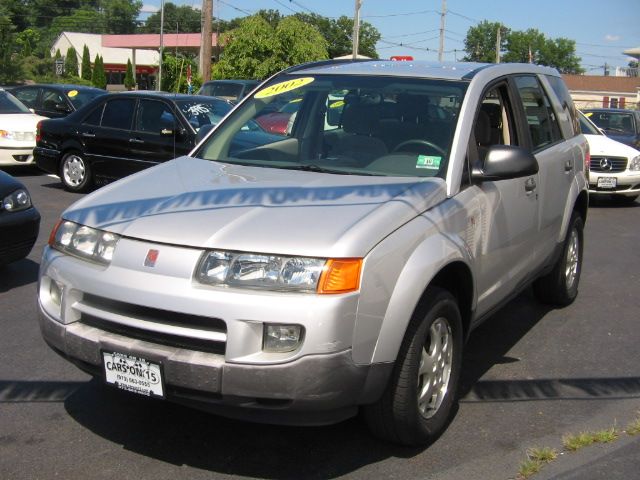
184, 17
71, 63
120, 15
27, 40
339, 32
480, 42
129, 81
532, 46
10, 67
256, 50
174, 73
86, 64
98, 78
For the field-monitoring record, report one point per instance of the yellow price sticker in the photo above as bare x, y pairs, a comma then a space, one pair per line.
283, 87
588, 114
72, 93
338, 104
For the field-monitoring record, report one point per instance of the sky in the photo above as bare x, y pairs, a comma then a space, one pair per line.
602, 30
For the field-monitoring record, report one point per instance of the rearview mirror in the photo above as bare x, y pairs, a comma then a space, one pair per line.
503, 162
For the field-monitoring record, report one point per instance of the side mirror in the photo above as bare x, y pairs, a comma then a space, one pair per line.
203, 132
503, 162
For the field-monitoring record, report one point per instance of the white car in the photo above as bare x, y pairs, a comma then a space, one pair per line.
614, 168
17, 131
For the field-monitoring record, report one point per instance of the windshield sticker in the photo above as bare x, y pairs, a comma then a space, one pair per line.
588, 114
429, 162
72, 93
283, 87
198, 109
338, 104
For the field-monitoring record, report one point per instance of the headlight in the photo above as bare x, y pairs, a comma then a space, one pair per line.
634, 164
18, 200
278, 272
85, 242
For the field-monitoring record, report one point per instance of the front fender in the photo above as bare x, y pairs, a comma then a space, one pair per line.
395, 275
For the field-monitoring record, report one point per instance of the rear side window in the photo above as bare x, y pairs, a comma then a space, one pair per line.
94, 117
154, 116
566, 101
542, 121
28, 96
118, 113
51, 99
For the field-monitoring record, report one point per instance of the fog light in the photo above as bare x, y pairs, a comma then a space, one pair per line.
55, 292
282, 338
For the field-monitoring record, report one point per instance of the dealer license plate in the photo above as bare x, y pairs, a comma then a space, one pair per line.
607, 182
133, 374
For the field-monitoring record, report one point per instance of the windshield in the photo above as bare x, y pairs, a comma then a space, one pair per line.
228, 91
358, 125
81, 97
10, 104
200, 112
587, 126
613, 122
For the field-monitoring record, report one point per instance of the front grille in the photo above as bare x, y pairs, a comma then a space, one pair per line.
608, 164
159, 318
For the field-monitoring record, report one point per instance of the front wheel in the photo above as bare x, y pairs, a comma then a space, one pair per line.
560, 286
75, 173
417, 403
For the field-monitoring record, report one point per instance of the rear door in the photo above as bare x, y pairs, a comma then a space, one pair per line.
107, 144
556, 160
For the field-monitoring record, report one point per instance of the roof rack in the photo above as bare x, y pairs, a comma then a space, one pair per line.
324, 63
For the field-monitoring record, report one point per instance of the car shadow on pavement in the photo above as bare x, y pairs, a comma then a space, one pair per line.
17, 274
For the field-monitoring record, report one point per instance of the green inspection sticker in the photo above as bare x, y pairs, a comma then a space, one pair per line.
428, 161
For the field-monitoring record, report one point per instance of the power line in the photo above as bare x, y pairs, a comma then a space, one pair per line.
411, 34
401, 14
302, 6
235, 8
285, 6
463, 16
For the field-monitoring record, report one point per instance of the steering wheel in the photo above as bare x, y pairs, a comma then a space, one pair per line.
419, 141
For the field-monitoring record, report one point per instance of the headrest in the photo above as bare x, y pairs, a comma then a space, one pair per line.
360, 119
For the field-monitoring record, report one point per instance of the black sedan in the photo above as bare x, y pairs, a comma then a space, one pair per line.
121, 133
19, 220
56, 100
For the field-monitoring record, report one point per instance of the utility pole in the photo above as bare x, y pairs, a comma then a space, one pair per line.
205, 40
443, 14
159, 85
498, 41
356, 29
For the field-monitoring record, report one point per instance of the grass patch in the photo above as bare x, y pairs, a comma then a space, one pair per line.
634, 427
536, 459
573, 443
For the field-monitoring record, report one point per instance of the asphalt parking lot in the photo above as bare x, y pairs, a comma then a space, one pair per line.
531, 375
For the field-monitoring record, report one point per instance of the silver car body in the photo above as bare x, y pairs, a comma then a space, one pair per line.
488, 239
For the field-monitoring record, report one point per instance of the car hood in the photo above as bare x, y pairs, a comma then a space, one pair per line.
207, 204
602, 145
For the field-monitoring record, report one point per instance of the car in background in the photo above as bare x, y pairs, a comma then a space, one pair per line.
232, 90
279, 121
19, 220
122, 133
614, 168
17, 131
620, 124
56, 100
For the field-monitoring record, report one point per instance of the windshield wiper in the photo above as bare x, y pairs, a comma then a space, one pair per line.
311, 167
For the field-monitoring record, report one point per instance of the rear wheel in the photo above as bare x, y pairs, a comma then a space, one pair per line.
560, 286
417, 403
75, 172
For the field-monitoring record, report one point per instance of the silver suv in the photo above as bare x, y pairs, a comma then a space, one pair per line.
299, 277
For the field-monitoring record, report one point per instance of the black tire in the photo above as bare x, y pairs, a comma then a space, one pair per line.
397, 416
560, 286
75, 172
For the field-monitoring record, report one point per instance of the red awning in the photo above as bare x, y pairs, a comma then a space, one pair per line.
152, 40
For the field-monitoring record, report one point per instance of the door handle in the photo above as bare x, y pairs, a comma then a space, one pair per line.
135, 140
530, 185
88, 134
568, 165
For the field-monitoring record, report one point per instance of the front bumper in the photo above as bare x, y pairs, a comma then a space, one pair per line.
627, 184
116, 309
16, 156
18, 233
